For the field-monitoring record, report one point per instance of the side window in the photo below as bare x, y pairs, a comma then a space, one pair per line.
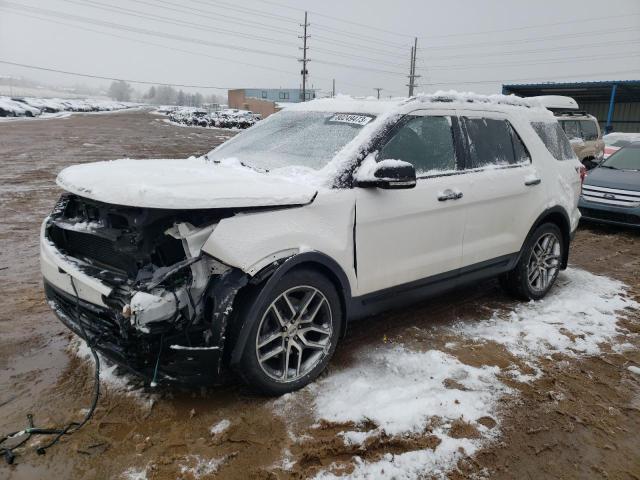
425, 142
492, 142
554, 139
589, 130
571, 128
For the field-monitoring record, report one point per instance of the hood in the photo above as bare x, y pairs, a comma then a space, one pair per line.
193, 183
609, 178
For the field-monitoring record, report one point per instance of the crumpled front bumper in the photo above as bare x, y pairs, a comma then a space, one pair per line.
171, 346
150, 356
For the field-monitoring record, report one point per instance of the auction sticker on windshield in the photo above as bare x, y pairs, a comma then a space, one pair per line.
351, 118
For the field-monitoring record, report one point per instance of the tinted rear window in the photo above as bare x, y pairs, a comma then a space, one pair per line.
493, 142
554, 139
589, 130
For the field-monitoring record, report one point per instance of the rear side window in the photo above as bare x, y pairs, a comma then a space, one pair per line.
589, 130
554, 139
493, 142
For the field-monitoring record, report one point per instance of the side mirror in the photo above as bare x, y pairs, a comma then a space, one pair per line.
387, 174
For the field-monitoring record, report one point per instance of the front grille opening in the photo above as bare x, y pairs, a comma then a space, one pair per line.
610, 215
92, 248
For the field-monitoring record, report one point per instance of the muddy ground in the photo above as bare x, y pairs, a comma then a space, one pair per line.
580, 420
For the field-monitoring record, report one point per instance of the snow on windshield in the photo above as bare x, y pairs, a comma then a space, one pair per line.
294, 138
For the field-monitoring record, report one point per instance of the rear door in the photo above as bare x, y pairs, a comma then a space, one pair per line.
506, 193
407, 235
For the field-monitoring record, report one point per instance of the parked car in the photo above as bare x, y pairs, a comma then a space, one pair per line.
585, 136
12, 108
616, 140
611, 192
255, 256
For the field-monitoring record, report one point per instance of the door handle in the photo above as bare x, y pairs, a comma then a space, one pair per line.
532, 182
449, 195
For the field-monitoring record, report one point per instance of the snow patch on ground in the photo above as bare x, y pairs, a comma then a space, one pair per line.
109, 374
220, 427
133, 473
634, 369
401, 390
200, 467
405, 392
411, 465
578, 315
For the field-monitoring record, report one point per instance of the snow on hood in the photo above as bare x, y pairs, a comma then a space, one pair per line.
182, 184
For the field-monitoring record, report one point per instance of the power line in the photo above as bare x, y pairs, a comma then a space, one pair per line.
533, 39
190, 52
529, 79
143, 31
145, 42
350, 22
172, 21
543, 50
544, 25
550, 61
216, 16
100, 77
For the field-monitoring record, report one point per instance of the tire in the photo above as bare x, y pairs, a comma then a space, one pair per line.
523, 282
281, 324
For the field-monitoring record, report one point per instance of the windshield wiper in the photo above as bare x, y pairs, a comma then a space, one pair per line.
609, 166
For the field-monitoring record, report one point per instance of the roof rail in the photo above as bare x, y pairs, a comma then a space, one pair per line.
463, 97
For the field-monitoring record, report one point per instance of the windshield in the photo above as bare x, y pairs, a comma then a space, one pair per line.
625, 159
292, 138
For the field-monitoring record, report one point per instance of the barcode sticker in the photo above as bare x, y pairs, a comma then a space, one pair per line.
350, 118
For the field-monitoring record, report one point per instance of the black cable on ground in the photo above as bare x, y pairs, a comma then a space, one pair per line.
8, 452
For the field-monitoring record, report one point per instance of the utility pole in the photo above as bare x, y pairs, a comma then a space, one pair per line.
378, 90
333, 89
412, 67
304, 58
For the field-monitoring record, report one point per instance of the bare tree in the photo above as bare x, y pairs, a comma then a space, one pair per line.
120, 91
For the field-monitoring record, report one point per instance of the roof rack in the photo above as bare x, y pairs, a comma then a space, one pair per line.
570, 113
461, 97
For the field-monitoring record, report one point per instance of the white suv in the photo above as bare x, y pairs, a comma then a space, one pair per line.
254, 257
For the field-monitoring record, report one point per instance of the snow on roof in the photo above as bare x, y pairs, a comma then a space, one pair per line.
373, 106
348, 104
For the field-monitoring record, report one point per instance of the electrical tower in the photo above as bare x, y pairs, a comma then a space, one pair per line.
304, 58
378, 90
412, 67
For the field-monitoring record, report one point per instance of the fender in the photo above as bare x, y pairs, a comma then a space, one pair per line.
566, 230
271, 275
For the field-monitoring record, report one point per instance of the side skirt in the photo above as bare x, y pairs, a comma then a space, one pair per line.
408, 293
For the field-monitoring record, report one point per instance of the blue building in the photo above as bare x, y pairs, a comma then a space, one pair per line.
278, 95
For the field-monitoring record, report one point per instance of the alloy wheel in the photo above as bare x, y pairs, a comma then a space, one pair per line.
294, 334
544, 262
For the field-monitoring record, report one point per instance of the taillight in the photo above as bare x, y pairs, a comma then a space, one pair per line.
582, 171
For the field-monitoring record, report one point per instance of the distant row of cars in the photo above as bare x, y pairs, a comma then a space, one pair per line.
35, 107
227, 118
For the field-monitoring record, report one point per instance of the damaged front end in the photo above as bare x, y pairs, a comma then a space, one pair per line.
148, 297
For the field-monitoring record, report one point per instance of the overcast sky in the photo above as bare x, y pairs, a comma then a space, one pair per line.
471, 45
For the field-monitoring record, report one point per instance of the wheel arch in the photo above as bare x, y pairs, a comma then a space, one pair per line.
267, 278
558, 216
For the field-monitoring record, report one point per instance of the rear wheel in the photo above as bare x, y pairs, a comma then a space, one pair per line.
539, 264
293, 335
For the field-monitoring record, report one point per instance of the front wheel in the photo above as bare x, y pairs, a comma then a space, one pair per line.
293, 335
539, 264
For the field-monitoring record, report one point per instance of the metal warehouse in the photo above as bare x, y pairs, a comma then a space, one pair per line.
615, 103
